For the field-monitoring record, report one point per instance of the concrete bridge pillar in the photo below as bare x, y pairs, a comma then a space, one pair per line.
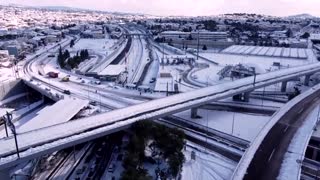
244, 97
194, 113
5, 174
307, 80
284, 86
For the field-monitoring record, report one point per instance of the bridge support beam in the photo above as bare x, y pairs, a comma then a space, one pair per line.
194, 113
315, 154
5, 174
284, 86
307, 80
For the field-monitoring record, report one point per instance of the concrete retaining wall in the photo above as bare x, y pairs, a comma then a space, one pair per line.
11, 88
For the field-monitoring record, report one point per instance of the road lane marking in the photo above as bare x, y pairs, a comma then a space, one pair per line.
271, 155
300, 111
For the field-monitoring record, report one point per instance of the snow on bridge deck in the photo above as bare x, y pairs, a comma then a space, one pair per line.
48, 139
60, 112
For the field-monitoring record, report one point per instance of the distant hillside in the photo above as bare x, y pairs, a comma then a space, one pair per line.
61, 8
57, 8
66, 8
303, 16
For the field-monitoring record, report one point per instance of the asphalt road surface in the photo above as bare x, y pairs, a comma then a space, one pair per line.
267, 161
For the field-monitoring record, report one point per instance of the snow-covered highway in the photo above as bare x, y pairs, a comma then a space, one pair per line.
52, 138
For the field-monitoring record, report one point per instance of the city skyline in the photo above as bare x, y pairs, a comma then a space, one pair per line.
188, 7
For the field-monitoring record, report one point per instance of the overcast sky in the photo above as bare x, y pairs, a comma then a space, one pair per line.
187, 7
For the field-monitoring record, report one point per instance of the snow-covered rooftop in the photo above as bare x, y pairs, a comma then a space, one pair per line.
268, 51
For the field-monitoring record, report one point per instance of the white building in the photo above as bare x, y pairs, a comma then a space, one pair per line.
207, 35
279, 34
112, 72
203, 35
51, 38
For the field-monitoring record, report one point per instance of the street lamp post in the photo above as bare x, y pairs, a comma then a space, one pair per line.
163, 56
5, 126
207, 119
232, 129
198, 44
167, 88
263, 93
254, 78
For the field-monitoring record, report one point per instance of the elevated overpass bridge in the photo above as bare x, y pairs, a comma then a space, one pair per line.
42, 141
264, 158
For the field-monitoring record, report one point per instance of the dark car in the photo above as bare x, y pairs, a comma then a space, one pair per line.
67, 92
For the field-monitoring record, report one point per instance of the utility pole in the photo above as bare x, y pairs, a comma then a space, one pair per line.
100, 101
5, 126
234, 114
254, 78
167, 88
207, 127
198, 45
263, 93
163, 56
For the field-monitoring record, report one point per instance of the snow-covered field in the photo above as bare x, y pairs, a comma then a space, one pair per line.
207, 76
98, 49
206, 166
245, 126
101, 46
262, 63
